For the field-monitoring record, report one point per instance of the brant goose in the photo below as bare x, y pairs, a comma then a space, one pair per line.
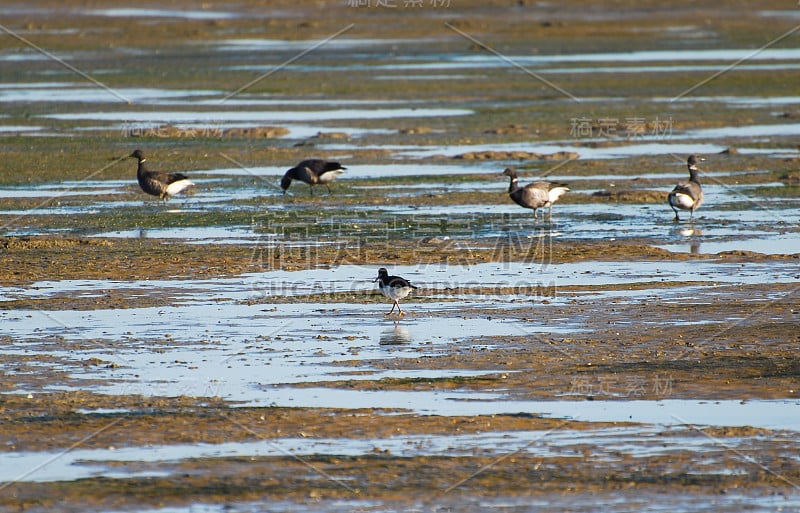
534, 195
687, 195
158, 184
393, 287
312, 172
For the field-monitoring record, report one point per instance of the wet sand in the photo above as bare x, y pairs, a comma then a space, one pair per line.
228, 350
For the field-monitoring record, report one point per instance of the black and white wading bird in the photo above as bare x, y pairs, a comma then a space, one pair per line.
393, 287
163, 185
534, 195
313, 172
687, 195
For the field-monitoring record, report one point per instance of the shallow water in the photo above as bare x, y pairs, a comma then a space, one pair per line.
685, 56
192, 235
67, 188
354, 278
78, 93
134, 12
626, 150
669, 412
557, 503
272, 45
608, 445
788, 244
240, 351
212, 118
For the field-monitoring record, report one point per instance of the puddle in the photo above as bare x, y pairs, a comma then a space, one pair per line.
780, 129
23, 56
788, 244
678, 68
451, 76
67, 188
610, 152
272, 45
74, 93
197, 235
6, 129
213, 118
781, 414
133, 12
737, 100
682, 56
780, 14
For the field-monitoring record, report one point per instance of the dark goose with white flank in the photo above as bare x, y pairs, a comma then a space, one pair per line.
313, 172
687, 195
534, 195
393, 287
163, 185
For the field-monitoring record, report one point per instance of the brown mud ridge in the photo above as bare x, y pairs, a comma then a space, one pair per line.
259, 132
517, 155
28, 259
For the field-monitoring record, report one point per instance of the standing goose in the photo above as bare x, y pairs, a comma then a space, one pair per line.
163, 185
687, 195
312, 172
393, 287
534, 195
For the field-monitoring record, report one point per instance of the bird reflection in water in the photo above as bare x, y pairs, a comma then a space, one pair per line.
395, 336
694, 244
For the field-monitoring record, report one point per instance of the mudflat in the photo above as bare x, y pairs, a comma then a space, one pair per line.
228, 351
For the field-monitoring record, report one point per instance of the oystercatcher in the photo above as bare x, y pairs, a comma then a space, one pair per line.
393, 287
